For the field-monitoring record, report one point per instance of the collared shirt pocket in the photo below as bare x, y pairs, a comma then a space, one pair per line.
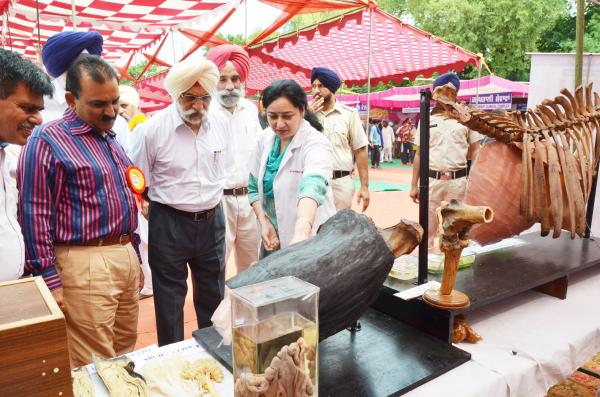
218, 160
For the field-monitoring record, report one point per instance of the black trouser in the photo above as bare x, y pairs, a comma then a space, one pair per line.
375, 155
406, 152
397, 149
174, 242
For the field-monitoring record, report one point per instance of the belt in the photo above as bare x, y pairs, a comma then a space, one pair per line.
444, 175
123, 239
195, 216
236, 191
341, 174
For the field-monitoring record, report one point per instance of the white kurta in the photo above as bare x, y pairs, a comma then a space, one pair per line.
12, 248
309, 153
55, 107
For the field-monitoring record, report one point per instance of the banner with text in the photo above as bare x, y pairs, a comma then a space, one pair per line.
501, 100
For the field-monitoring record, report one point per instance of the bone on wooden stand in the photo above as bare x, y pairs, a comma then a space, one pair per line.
455, 221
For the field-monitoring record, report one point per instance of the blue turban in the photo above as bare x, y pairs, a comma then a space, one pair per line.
63, 48
447, 78
327, 77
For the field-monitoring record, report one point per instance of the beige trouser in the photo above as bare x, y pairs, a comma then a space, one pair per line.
439, 191
100, 288
343, 192
241, 235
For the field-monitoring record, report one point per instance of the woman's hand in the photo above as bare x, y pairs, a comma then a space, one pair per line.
269, 235
302, 230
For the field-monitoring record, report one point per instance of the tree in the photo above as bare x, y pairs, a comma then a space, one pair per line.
239, 38
561, 36
135, 70
395, 7
501, 30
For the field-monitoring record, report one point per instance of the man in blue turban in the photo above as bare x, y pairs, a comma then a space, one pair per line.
450, 146
63, 48
59, 52
341, 124
447, 78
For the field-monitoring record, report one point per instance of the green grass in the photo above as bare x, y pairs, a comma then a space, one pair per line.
380, 186
396, 163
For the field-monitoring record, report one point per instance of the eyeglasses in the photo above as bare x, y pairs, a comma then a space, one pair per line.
190, 99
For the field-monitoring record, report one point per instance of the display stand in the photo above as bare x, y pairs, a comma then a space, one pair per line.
542, 264
386, 358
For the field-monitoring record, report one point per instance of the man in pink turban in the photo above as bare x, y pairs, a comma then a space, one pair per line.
242, 230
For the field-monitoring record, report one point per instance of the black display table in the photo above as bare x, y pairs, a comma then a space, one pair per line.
384, 358
543, 264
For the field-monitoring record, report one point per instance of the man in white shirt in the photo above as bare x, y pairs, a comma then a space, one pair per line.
242, 229
129, 102
59, 52
388, 141
22, 89
184, 153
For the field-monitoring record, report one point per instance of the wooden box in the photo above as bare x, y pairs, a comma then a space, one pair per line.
34, 359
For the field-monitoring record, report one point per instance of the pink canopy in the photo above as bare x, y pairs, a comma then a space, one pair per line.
408, 97
401, 97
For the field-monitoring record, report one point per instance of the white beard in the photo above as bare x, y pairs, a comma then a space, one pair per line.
192, 116
229, 98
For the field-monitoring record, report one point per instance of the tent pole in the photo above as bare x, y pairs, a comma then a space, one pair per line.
478, 81
38, 47
173, 47
579, 33
245, 22
37, 17
73, 21
4, 23
369, 70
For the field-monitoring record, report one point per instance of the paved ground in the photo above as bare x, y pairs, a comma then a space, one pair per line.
389, 202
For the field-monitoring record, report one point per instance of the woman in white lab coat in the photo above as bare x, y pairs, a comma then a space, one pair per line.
290, 171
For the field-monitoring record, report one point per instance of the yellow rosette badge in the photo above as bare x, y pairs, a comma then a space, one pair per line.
136, 179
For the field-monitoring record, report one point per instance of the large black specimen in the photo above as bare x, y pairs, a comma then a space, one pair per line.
348, 260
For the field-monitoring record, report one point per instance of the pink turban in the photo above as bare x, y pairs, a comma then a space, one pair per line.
230, 52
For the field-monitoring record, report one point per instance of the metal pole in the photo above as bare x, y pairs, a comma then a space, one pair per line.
589, 215
579, 32
73, 11
37, 15
478, 81
245, 22
424, 184
369, 71
173, 47
4, 26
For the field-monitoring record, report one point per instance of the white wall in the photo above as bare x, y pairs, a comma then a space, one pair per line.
551, 72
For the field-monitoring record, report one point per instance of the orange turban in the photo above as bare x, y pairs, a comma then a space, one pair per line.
234, 53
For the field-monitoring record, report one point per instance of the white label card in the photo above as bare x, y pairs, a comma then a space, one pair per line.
417, 291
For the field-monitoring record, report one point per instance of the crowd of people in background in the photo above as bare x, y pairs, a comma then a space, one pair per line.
387, 143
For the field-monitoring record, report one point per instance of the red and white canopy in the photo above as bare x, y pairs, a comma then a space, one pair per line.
126, 25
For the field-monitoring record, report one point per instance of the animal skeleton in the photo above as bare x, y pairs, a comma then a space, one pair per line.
562, 133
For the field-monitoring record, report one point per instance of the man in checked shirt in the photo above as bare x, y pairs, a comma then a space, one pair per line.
77, 213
